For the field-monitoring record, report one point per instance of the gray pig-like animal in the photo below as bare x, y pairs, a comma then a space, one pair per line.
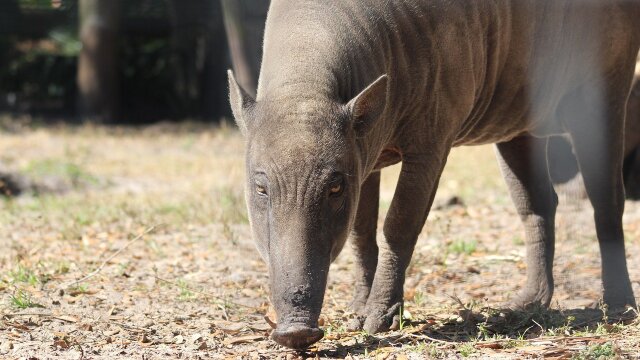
348, 87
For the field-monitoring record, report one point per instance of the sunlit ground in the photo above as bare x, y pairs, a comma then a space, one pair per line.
153, 222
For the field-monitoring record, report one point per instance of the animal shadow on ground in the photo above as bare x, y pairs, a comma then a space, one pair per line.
483, 328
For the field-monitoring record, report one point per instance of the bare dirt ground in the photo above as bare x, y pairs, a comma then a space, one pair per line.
139, 247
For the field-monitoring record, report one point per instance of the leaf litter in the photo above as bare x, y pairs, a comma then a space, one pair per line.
196, 287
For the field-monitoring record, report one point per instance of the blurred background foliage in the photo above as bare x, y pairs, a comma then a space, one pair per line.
143, 60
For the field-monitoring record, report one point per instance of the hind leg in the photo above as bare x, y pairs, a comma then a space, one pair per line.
524, 167
595, 120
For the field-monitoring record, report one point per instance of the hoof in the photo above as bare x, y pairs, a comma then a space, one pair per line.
383, 320
617, 303
355, 324
528, 301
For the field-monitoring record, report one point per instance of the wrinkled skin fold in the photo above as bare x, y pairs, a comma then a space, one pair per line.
349, 87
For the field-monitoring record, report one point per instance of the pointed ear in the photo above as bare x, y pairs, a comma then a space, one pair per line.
368, 106
240, 102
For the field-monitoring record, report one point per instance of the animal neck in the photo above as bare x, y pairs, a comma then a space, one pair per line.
313, 50
319, 52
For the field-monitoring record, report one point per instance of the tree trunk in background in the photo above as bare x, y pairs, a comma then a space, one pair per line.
98, 62
199, 58
244, 21
9, 17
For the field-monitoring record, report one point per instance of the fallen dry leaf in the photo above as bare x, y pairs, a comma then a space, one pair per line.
71, 319
111, 332
243, 339
260, 326
229, 327
493, 271
61, 344
531, 349
82, 292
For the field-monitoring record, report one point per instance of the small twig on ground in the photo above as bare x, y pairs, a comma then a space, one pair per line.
68, 320
104, 263
45, 315
132, 328
540, 326
427, 337
457, 299
205, 294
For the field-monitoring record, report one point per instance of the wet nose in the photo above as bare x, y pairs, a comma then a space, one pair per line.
297, 336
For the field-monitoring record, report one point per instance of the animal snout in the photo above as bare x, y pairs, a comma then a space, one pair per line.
297, 336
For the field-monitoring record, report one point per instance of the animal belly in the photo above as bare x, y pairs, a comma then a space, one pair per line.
508, 117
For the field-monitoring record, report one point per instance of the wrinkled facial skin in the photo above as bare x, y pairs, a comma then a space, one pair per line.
303, 183
306, 178
304, 167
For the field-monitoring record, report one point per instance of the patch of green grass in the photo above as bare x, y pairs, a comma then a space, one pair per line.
233, 206
514, 343
597, 352
538, 317
565, 329
401, 319
463, 247
483, 331
466, 350
66, 170
227, 231
23, 274
22, 300
82, 219
419, 298
517, 240
62, 267
332, 328
79, 289
185, 293
155, 247
600, 329
434, 352
428, 349
123, 267
178, 210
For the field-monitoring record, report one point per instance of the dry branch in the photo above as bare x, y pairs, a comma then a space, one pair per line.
104, 263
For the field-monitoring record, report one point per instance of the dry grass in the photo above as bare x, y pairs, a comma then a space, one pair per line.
195, 287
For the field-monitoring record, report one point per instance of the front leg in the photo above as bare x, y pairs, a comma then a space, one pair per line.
406, 217
363, 240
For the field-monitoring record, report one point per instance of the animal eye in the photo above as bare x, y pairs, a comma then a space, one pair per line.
261, 190
337, 186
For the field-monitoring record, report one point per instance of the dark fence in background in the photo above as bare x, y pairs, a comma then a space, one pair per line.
131, 61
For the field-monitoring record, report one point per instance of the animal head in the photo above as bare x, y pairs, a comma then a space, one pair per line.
303, 177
